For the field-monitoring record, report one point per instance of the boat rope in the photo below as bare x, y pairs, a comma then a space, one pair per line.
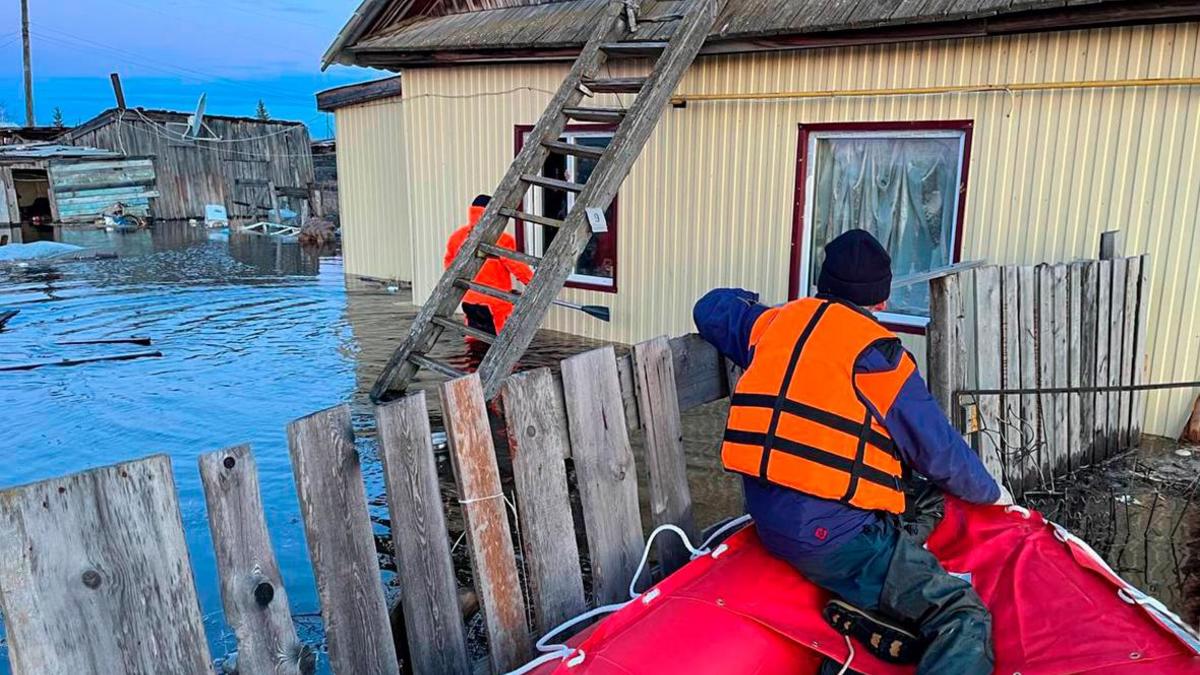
850, 658
575, 656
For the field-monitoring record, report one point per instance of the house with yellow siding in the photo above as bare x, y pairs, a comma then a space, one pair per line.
1015, 131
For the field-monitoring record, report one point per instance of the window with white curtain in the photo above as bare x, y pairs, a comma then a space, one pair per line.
903, 185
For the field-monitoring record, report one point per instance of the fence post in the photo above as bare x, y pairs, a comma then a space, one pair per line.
947, 348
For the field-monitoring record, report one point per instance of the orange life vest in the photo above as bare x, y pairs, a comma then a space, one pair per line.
799, 416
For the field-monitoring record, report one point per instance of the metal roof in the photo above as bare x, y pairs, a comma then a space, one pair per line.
39, 151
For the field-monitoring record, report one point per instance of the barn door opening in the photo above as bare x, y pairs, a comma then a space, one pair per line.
33, 204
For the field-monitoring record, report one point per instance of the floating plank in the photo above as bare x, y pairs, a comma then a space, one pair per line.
82, 360
252, 590
1011, 372
1088, 360
1061, 425
1076, 440
670, 497
605, 471
1129, 359
1103, 328
539, 445
428, 591
93, 566
341, 544
1116, 357
485, 515
1141, 364
988, 364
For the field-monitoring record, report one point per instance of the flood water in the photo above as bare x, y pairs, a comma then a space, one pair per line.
255, 334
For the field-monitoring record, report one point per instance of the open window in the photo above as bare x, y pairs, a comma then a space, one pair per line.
597, 266
904, 182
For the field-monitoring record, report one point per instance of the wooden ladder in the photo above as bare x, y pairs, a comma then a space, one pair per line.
615, 37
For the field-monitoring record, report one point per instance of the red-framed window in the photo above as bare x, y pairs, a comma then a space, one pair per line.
597, 266
905, 182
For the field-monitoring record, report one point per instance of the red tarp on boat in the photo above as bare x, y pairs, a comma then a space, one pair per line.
1056, 608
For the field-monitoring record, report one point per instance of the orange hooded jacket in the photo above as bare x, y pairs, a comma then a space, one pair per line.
496, 272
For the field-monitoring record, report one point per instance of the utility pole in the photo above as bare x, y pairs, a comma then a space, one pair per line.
29, 119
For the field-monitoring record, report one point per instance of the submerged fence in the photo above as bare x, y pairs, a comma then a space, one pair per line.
95, 575
1040, 360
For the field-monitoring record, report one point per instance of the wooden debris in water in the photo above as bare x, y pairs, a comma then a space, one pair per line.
86, 359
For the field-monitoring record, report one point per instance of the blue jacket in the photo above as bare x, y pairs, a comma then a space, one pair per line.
794, 524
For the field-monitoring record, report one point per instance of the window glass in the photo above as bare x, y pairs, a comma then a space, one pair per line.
902, 188
597, 264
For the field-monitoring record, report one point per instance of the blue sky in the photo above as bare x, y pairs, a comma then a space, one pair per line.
170, 51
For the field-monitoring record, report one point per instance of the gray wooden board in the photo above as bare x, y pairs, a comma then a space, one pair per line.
1089, 315
987, 337
425, 570
539, 444
1030, 432
1011, 372
1103, 328
945, 309
1133, 275
1061, 426
1116, 359
1044, 348
485, 514
341, 544
605, 471
1141, 364
93, 566
252, 589
670, 497
1076, 439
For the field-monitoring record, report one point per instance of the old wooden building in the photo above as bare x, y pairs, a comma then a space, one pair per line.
1015, 132
233, 161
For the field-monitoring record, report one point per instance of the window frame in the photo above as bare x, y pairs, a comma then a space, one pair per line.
798, 267
575, 280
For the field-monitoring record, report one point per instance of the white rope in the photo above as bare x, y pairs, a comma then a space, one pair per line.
476, 500
574, 656
850, 658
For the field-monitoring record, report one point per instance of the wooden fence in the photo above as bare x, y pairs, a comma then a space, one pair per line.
1047, 336
95, 575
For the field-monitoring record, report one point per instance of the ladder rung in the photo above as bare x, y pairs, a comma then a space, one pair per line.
643, 48
532, 217
663, 18
595, 114
616, 85
552, 183
436, 366
463, 328
488, 291
577, 149
501, 252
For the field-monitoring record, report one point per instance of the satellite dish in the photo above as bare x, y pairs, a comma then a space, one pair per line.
195, 123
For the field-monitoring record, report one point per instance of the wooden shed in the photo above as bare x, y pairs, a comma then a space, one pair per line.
234, 162
50, 183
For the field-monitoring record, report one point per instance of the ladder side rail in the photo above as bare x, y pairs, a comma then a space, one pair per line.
446, 295
627, 143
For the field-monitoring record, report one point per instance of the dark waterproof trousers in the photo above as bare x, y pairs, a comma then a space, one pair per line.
886, 570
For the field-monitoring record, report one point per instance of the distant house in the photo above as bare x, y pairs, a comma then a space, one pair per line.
1016, 132
233, 161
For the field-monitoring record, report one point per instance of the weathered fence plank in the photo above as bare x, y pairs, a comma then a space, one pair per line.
670, 497
1103, 327
93, 566
536, 419
1031, 434
333, 503
428, 591
1043, 337
1075, 440
1129, 359
945, 368
489, 538
989, 442
1089, 359
1010, 334
605, 470
1061, 427
252, 591
1141, 365
1116, 355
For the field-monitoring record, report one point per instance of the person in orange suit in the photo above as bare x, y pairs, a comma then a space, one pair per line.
485, 312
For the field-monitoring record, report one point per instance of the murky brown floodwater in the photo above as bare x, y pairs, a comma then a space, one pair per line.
256, 334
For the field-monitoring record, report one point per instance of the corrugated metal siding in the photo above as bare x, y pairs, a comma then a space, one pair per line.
373, 189
710, 202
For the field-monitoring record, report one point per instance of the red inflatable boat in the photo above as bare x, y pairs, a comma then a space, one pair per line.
1057, 608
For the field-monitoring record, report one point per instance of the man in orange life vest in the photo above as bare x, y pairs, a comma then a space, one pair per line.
483, 311
824, 425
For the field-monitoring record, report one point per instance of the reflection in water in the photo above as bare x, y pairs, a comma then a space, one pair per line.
256, 334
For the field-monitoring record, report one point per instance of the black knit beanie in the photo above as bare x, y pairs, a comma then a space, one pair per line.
857, 268
482, 200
